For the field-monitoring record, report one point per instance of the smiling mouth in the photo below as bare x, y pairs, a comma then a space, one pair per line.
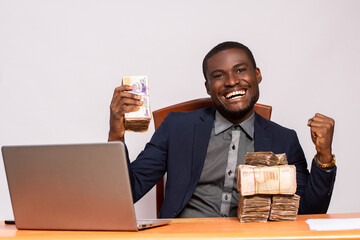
236, 94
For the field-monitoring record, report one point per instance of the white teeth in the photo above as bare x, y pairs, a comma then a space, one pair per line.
239, 93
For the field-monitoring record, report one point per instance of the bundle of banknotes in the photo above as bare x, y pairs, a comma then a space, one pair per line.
265, 159
266, 179
138, 121
254, 208
284, 207
267, 176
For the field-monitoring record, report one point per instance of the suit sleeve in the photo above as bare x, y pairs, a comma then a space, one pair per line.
314, 188
151, 164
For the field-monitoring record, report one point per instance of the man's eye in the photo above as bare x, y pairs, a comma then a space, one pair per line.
240, 70
217, 75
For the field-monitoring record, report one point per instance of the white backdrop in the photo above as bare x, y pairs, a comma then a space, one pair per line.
60, 61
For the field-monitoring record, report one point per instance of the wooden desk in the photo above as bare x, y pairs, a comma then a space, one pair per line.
202, 228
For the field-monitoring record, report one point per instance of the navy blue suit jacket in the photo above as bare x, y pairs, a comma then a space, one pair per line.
178, 148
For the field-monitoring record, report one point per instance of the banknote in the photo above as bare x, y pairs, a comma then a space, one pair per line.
265, 158
138, 121
267, 186
254, 208
279, 179
260, 208
284, 207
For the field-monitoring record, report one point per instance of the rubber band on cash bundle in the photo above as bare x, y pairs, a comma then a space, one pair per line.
253, 180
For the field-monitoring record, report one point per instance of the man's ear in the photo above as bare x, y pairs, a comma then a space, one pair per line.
258, 75
207, 87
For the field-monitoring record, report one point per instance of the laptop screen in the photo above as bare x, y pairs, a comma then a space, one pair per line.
74, 187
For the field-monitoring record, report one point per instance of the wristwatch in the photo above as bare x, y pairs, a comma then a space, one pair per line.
326, 166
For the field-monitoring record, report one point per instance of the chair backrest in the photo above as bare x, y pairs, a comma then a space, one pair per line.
159, 115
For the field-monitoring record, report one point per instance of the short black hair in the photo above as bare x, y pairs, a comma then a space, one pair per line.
225, 46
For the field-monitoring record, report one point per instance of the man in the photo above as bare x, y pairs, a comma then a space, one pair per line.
199, 150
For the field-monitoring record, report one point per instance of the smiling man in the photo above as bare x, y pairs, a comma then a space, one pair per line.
200, 150
232, 82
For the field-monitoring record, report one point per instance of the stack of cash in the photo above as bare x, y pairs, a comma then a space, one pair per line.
253, 180
284, 207
267, 175
138, 121
265, 159
254, 208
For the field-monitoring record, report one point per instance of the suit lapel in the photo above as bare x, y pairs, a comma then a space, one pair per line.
262, 137
202, 133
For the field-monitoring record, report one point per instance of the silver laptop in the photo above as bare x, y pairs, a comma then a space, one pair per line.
71, 187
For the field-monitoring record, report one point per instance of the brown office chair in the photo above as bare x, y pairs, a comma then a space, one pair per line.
159, 115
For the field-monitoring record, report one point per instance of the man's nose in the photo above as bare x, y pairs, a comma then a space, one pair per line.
232, 80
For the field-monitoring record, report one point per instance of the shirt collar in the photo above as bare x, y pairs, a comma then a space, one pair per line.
221, 124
